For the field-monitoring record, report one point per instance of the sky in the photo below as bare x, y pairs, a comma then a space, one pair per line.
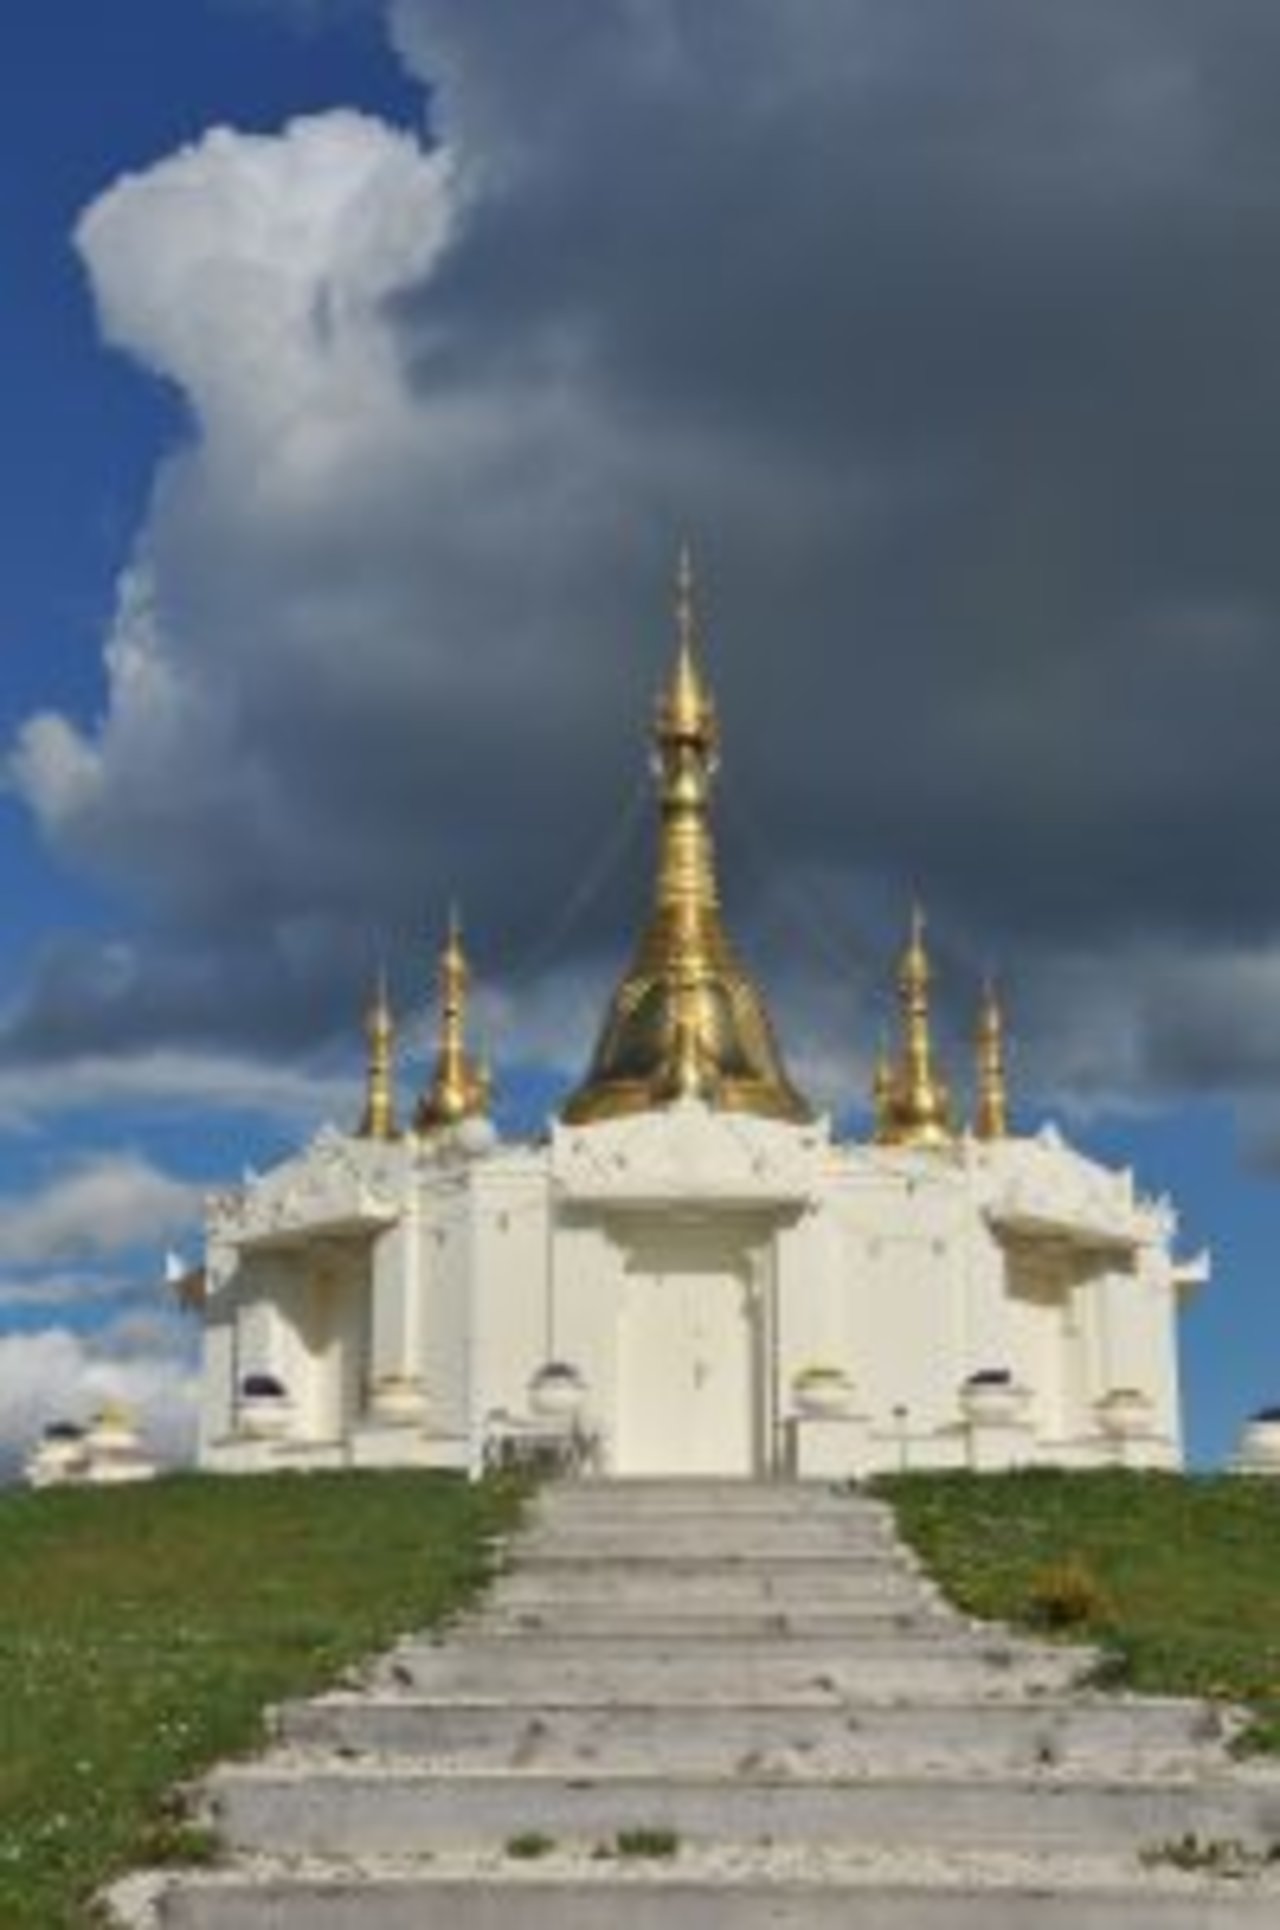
365, 363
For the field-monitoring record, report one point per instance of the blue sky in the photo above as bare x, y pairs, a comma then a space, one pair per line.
334, 581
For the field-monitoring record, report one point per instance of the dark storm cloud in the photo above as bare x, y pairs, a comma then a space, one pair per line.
986, 299
948, 331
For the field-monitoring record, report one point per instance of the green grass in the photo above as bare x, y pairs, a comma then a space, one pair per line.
143, 1631
1187, 1569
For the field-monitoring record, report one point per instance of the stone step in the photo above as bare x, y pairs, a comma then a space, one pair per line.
713, 1584
294, 1807
982, 1896
717, 1541
636, 1490
584, 1622
696, 1737
918, 1669
619, 1503
550, 1563
865, 1637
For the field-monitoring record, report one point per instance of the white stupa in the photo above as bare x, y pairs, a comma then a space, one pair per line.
691, 1272
107, 1452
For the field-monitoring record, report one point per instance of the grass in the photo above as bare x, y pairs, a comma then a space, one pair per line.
144, 1630
646, 1842
530, 1845
1185, 1570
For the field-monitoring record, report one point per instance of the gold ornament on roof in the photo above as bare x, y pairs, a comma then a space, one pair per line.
460, 1086
882, 1097
686, 1021
913, 1104
992, 1115
378, 1120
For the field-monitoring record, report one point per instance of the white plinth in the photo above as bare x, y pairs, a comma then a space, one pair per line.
828, 1447
1259, 1449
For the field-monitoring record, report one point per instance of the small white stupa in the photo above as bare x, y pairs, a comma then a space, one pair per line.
107, 1452
1259, 1450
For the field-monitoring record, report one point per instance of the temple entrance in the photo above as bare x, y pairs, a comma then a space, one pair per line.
689, 1366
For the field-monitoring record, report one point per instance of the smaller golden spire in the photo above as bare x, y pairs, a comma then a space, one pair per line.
459, 1087
917, 1111
992, 1120
379, 1118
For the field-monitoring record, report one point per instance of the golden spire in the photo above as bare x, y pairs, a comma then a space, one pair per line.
689, 1072
459, 1087
918, 1105
883, 1087
992, 1120
379, 1118
686, 1020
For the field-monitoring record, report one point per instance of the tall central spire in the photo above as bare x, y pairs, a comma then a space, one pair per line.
686, 758
686, 1021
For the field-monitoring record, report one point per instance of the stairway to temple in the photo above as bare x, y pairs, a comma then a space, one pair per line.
712, 1703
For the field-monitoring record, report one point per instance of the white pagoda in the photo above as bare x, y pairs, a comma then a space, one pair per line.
691, 1273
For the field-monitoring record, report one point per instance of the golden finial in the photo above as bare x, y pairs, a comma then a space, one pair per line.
379, 1117
919, 1104
992, 1120
686, 1014
114, 1413
686, 606
686, 714
458, 1089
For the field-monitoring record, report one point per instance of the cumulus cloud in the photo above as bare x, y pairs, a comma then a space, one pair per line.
167, 1082
108, 1203
57, 1374
947, 331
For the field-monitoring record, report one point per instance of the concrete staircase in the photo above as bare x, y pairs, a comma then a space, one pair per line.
719, 1704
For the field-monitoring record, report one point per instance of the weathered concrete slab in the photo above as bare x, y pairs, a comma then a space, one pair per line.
703, 1738
659, 1584
520, 1673
587, 1622
349, 1810
420, 1900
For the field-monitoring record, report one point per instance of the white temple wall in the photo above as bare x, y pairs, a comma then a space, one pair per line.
1040, 1331
1162, 1309
510, 1336
1137, 1318
583, 1289
689, 1312
447, 1310
810, 1303
395, 1299
217, 1381
982, 1289
902, 1238
327, 1343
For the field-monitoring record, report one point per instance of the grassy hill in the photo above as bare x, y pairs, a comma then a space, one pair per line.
142, 1631
1177, 1577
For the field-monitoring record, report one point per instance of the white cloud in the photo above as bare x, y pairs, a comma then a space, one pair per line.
56, 1374
105, 1205
53, 1289
251, 269
174, 1080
